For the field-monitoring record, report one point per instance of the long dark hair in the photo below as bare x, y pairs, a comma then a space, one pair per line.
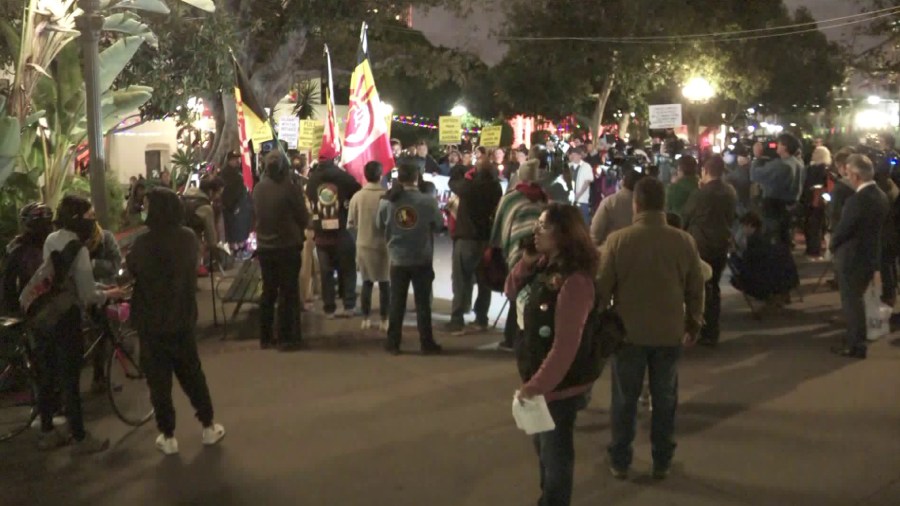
576, 250
165, 211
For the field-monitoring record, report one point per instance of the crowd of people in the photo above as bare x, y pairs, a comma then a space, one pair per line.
580, 230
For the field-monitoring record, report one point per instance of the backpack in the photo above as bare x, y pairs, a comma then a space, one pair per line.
191, 219
51, 292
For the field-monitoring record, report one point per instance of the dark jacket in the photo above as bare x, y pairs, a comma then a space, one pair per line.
764, 269
163, 263
237, 206
329, 191
708, 216
281, 214
427, 164
739, 178
478, 199
839, 195
856, 240
24, 255
678, 194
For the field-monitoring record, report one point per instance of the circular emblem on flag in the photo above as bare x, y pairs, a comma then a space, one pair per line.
361, 124
406, 217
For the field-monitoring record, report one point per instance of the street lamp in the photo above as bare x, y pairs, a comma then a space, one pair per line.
698, 89
459, 110
873, 100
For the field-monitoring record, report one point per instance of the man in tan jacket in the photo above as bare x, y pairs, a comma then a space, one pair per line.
652, 272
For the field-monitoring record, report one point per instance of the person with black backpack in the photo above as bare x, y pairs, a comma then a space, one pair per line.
24, 254
200, 216
59, 348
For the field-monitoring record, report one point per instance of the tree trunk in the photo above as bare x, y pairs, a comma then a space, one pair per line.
602, 99
623, 123
227, 140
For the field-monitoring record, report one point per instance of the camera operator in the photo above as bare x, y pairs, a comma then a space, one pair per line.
781, 180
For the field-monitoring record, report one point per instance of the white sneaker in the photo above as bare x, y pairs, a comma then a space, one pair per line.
366, 324
213, 434
384, 325
169, 446
58, 421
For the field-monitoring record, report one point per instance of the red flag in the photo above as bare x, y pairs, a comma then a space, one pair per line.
367, 137
331, 142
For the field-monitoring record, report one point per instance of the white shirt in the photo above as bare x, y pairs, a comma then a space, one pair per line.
582, 173
864, 185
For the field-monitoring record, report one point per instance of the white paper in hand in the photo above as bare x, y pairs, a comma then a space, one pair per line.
532, 415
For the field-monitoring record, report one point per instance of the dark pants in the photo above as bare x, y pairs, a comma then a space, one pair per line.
853, 287
585, 213
59, 356
421, 277
628, 368
168, 354
280, 270
338, 258
814, 231
713, 300
384, 298
511, 330
556, 452
467, 255
888, 275
777, 218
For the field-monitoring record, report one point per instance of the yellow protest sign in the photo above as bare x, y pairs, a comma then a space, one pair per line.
490, 136
450, 129
311, 132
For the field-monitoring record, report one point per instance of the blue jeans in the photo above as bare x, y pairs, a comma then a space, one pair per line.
628, 368
556, 452
585, 212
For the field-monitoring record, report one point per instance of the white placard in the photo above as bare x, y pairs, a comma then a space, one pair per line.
665, 116
289, 130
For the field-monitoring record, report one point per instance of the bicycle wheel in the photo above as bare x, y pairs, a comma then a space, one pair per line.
18, 398
127, 387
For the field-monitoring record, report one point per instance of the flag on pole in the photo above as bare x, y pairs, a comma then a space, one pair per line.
253, 122
331, 139
366, 138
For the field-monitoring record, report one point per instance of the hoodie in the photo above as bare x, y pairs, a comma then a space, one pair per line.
517, 213
478, 199
329, 191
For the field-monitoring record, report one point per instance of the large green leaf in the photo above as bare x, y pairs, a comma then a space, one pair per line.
11, 36
114, 59
115, 107
155, 6
204, 5
130, 24
10, 140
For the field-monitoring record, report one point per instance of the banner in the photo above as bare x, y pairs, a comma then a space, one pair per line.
310, 134
289, 130
366, 137
450, 129
490, 136
665, 116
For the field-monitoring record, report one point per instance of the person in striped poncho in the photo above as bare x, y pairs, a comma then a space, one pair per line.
517, 214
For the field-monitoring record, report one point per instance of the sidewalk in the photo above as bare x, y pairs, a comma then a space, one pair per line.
770, 417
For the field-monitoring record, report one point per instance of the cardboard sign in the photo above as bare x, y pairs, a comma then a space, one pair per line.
289, 130
310, 134
450, 129
490, 136
665, 116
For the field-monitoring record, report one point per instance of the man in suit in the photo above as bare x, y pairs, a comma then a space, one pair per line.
856, 244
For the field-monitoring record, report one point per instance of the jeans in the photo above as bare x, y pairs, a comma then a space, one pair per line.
384, 298
467, 255
168, 354
585, 213
280, 270
713, 300
421, 277
59, 356
556, 452
628, 368
852, 288
339, 258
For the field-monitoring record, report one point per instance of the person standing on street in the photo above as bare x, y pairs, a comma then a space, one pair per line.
281, 221
164, 314
583, 178
781, 180
708, 216
616, 211
556, 279
686, 183
329, 190
371, 249
479, 192
856, 244
408, 218
237, 207
653, 273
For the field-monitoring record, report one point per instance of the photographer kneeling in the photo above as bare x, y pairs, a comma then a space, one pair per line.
556, 273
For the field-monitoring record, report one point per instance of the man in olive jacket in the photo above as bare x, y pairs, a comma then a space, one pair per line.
708, 216
653, 272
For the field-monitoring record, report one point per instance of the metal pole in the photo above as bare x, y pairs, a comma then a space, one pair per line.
90, 24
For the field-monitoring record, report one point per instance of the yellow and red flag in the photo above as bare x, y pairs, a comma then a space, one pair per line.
366, 137
331, 139
253, 122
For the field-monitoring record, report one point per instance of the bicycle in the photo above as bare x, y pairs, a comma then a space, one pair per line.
126, 384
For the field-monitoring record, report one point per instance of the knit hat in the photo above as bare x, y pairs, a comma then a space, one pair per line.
528, 171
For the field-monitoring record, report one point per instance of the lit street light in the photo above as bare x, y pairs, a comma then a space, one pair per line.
873, 100
459, 110
698, 89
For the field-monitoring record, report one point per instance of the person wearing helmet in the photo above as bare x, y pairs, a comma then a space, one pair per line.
24, 254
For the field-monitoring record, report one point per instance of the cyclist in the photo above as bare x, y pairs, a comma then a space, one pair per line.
106, 260
24, 254
164, 313
59, 352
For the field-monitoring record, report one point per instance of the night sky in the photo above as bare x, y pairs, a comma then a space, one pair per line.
473, 34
